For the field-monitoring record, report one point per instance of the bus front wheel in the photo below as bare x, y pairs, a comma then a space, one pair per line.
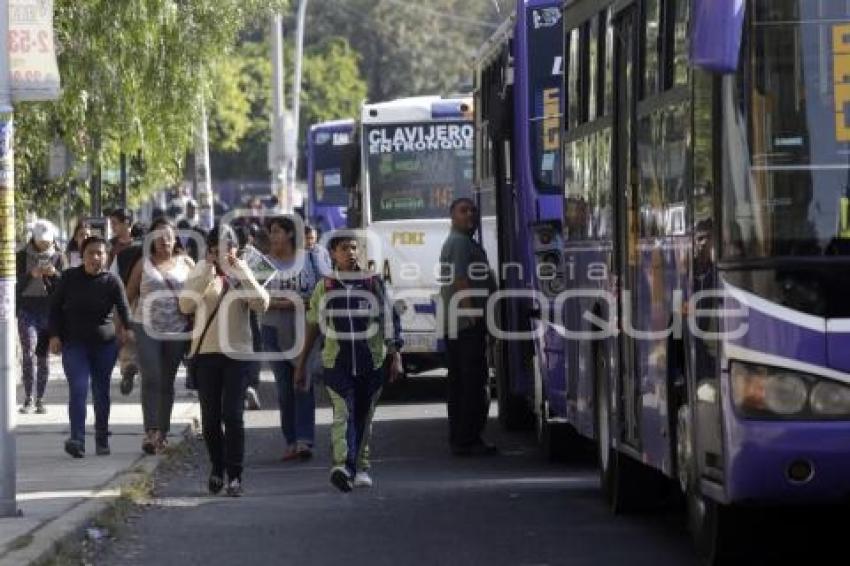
715, 528
619, 475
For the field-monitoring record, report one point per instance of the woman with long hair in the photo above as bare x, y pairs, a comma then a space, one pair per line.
297, 407
74, 248
221, 350
160, 328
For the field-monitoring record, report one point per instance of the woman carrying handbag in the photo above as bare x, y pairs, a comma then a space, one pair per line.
220, 353
155, 284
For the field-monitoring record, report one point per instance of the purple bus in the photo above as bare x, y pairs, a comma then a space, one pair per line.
518, 75
330, 146
706, 240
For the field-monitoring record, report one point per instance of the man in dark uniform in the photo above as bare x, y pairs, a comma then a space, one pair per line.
464, 267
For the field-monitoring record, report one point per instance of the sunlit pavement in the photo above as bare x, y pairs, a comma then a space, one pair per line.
50, 483
427, 507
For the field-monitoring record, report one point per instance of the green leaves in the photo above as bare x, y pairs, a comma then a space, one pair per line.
332, 88
132, 72
410, 48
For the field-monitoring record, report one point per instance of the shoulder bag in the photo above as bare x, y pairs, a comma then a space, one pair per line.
192, 360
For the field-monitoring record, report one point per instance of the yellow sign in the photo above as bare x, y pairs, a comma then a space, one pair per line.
552, 122
408, 238
841, 80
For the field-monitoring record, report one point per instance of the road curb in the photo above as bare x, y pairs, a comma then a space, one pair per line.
40, 544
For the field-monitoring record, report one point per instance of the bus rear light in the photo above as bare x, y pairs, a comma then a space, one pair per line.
763, 392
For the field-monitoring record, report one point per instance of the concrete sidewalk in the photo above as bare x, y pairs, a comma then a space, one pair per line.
58, 494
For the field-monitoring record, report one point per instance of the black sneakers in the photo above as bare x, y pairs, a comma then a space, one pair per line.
340, 479
216, 483
26, 408
40, 409
75, 448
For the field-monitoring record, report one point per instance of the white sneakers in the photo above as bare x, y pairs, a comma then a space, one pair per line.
362, 479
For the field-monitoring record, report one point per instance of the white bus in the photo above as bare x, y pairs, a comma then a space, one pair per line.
417, 157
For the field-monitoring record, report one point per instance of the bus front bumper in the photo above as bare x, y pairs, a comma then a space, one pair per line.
797, 462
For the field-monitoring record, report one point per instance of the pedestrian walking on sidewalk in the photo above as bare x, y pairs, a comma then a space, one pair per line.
159, 329
297, 407
83, 330
357, 357
39, 267
125, 261
220, 352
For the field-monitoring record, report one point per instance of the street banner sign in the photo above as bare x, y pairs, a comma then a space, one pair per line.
34, 73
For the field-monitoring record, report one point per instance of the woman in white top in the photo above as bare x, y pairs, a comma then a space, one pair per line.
161, 329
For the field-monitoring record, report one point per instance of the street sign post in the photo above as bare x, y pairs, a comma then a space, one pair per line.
28, 72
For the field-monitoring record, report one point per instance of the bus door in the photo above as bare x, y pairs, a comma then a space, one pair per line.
626, 195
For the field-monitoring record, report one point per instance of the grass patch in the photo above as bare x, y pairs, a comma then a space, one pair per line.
22, 541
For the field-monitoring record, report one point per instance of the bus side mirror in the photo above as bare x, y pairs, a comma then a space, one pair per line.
350, 169
716, 35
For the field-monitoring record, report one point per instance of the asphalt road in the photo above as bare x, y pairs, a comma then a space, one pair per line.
426, 507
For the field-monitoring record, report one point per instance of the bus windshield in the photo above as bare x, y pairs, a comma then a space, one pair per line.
545, 70
417, 170
787, 133
328, 153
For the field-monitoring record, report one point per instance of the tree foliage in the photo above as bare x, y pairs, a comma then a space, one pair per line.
410, 48
132, 77
332, 88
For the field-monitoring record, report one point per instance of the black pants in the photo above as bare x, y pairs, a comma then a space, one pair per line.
221, 389
468, 397
252, 369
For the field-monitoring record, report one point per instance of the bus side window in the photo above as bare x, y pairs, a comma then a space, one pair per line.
649, 49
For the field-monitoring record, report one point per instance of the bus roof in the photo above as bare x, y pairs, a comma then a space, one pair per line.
333, 125
417, 109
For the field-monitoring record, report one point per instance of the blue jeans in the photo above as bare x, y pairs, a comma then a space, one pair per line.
297, 408
82, 363
32, 330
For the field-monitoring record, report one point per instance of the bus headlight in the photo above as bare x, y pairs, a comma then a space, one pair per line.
765, 392
830, 399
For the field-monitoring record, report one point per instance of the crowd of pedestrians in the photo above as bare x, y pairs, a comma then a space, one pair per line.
145, 301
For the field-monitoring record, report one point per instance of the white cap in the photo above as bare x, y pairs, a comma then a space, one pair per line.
43, 231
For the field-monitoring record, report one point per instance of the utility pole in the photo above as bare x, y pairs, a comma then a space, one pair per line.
296, 92
277, 161
206, 218
8, 375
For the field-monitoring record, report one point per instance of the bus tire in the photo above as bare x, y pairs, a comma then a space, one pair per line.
620, 477
716, 529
